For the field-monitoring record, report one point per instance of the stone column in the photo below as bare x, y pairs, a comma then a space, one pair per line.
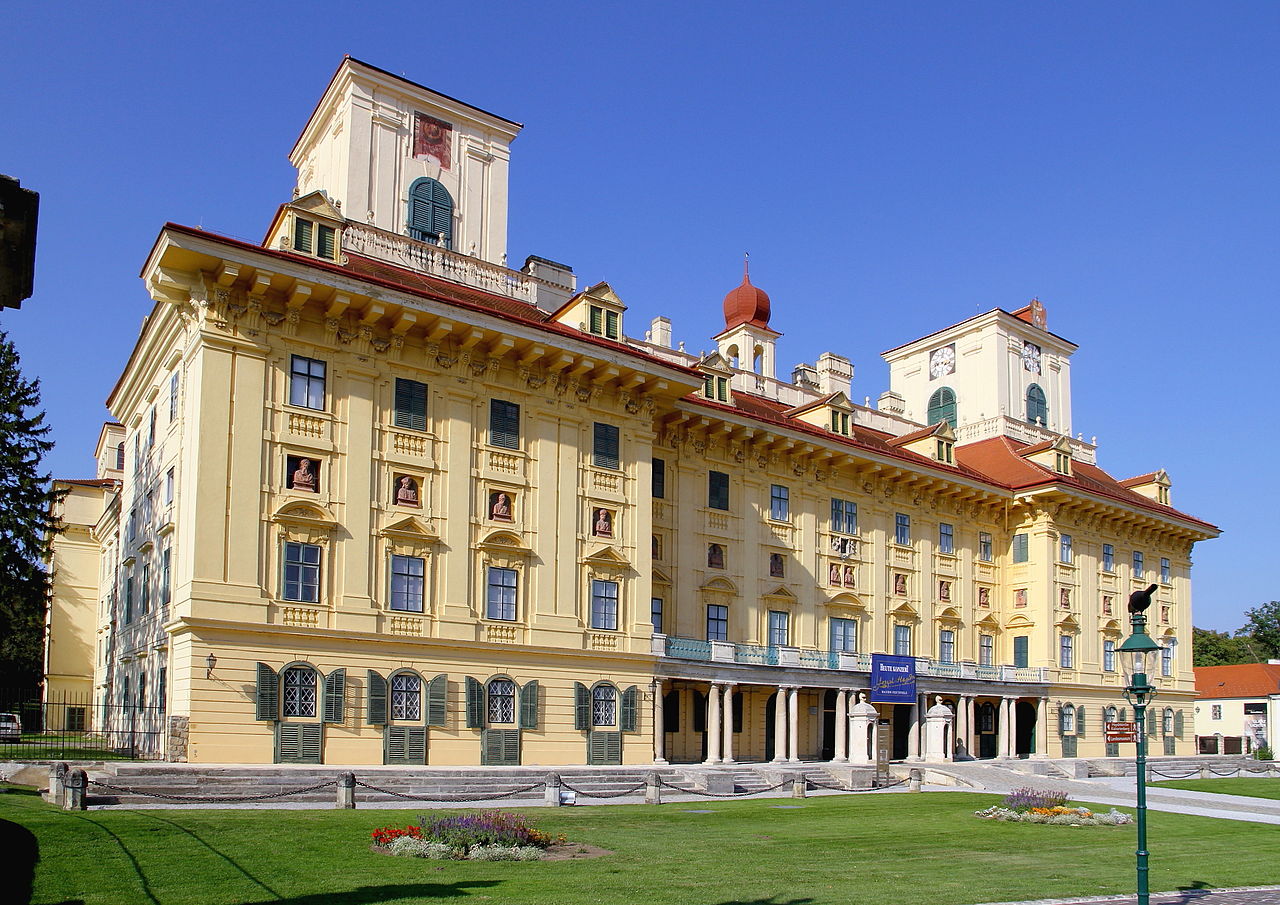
842, 726
1002, 729
780, 726
1042, 727
659, 723
728, 724
1013, 727
913, 734
962, 745
793, 724
713, 725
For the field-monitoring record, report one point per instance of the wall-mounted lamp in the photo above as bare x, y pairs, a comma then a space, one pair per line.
210, 662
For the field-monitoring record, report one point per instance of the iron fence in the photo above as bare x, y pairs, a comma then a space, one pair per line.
66, 726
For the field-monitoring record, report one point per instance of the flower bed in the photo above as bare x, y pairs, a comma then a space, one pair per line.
487, 836
1029, 805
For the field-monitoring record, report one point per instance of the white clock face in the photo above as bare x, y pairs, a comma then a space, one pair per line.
942, 361
1031, 357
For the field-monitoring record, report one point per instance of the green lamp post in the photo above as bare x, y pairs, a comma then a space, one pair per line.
1138, 652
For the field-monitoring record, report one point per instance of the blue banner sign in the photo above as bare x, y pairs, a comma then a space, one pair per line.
893, 679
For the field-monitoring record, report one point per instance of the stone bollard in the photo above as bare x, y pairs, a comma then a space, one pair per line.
57, 794
652, 789
551, 797
346, 791
798, 785
77, 786
1204, 772
913, 781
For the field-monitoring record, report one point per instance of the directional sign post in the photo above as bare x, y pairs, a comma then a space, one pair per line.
1119, 733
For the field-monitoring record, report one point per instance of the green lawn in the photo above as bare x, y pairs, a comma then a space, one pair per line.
899, 848
1252, 786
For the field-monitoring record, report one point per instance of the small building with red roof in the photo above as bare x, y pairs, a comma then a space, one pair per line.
1239, 707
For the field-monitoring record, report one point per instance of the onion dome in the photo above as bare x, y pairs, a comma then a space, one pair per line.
746, 305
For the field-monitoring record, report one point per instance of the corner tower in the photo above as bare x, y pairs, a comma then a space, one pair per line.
398, 156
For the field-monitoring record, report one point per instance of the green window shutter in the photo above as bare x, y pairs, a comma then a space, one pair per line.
504, 424
659, 478
268, 693
595, 748
411, 404
376, 702
1152, 718
416, 744
501, 747
394, 742
1123, 716
1062, 724
604, 747
442, 214
597, 320
581, 706
627, 722
1080, 721
511, 747
1177, 724
325, 244
311, 736
406, 745
611, 324
475, 704
301, 235
604, 451
288, 743
335, 695
613, 747
529, 705
437, 700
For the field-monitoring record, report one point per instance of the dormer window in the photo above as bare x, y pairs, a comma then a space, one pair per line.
840, 422
946, 452
1062, 463
1162, 496
717, 388
312, 238
603, 322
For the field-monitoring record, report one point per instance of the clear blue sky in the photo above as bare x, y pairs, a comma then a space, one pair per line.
893, 168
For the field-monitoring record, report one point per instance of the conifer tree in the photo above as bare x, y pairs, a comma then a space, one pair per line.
27, 524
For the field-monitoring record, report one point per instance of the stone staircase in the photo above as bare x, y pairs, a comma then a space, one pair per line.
1179, 767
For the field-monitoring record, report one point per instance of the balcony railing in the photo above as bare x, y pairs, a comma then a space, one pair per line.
754, 653
437, 261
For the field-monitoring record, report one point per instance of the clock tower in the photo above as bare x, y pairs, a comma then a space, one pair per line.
997, 373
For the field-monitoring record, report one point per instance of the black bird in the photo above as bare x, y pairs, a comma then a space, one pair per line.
1140, 600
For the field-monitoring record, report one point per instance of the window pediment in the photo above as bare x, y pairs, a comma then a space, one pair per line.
1019, 621
950, 614
1068, 620
989, 623
607, 557
845, 600
295, 513
781, 594
905, 610
720, 585
661, 577
503, 541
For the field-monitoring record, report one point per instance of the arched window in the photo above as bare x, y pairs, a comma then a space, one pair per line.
1110, 714
1037, 407
1167, 723
431, 213
1067, 718
299, 692
502, 701
406, 697
942, 406
604, 706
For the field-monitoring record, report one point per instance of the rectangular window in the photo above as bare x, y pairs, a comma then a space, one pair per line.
604, 446
1164, 570
946, 538
902, 640
779, 502
166, 575
984, 547
128, 599
844, 516
986, 650
325, 244
1021, 651
718, 490
410, 405
151, 428
1108, 656
655, 614
604, 604
302, 235
407, 583
717, 622
1064, 548
302, 572
1137, 564
1166, 659
1066, 651
504, 424
173, 398
947, 645
1108, 558
844, 635
144, 590
611, 324
168, 487
306, 382
595, 319
779, 634
1215, 711
902, 529
659, 479
1021, 548
501, 602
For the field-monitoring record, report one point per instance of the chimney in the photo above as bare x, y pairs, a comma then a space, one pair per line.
804, 375
892, 403
835, 373
660, 331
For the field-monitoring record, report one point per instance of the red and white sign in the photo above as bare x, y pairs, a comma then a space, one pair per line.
1117, 732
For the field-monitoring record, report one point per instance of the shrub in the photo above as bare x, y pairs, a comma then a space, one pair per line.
1058, 816
1027, 798
414, 847
1264, 752
487, 828
505, 853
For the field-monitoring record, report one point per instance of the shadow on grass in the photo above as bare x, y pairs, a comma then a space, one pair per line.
369, 895
772, 900
225, 857
21, 852
1197, 890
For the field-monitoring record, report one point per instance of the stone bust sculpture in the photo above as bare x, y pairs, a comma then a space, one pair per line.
303, 477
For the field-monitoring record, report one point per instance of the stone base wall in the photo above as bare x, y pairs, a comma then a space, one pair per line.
179, 733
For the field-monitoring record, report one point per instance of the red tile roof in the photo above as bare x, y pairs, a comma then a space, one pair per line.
1246, 680
88, 482
1140, 479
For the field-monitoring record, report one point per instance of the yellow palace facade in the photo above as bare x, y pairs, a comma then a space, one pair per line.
375, 497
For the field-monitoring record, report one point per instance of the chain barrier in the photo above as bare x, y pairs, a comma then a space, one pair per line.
479, 796
1155, 772
215, 799
625, 792
707, 794
818, 785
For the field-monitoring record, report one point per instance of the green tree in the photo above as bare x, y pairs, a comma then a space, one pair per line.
1210, 648
1262, 624
27, 524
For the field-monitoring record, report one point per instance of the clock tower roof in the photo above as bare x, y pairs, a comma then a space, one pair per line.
746, 304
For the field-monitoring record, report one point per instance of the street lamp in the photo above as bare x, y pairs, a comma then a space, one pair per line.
1138, 654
